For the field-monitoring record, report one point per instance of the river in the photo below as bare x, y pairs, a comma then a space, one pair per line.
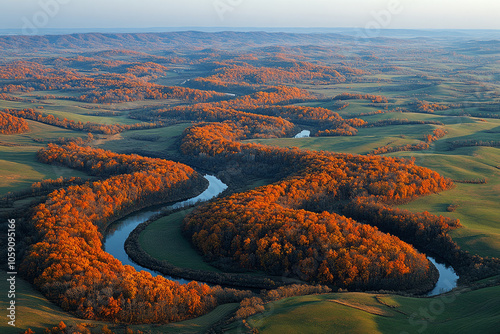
114, 243
447, 278
303, 134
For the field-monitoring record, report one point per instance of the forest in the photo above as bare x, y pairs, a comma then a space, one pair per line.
10, 124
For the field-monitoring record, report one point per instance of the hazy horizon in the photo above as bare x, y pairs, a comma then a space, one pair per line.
29, 15
475, 34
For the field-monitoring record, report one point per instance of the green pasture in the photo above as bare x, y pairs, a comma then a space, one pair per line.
456, 312
19, 167
163, 239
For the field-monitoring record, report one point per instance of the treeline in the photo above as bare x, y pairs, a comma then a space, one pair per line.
99, 162
8, 97
270, 96
152, 92
400, 148
66, 260
315, 116
342, 130
463, 113
253, 305
473, 181
78, 126
10, 124
403, 121
217, 85
473, 142
428, 139
426, 107
353, 96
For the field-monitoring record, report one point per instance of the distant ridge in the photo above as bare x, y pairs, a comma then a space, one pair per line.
164, 41
225, 40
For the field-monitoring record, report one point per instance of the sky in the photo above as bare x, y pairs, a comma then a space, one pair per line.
29, 15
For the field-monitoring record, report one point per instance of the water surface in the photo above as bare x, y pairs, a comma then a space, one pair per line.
303, 134
447, 278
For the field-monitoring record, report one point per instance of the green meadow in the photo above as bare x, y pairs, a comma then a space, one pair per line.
163, 239
157, 142
18, 164
456, 312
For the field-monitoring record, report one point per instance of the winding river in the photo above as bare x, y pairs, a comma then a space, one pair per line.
114, 243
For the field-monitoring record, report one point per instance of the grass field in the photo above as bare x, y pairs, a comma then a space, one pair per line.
161, 141
463, 312
18, 165
34, 311
478, 208
163, 240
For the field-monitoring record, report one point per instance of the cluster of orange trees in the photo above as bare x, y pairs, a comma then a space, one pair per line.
146, 91
353, 96
436, 134
427, 107
254, 73
315, 116
100, 87
78, 126
343, 130
66, 260
10, 124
